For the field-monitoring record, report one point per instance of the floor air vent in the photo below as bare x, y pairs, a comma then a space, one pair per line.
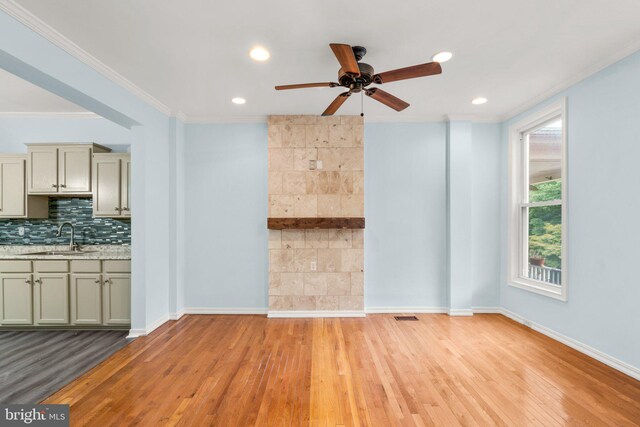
405, 317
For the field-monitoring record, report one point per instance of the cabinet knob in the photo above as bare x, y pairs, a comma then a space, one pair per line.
38, 281
97, 281
63, 185
27, 281
125, 208
108, 281
54, 185
117, 209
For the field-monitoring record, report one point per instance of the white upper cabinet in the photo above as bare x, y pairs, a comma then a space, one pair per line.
61, 169
74, 169
14, 202
111, 185
12, 191
43, 169
106, 186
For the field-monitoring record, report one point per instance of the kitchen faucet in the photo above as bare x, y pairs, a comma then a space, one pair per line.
73, 246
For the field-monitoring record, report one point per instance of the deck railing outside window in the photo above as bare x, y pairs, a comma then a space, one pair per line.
545, 274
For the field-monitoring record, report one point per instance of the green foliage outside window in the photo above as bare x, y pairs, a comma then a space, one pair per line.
545, 223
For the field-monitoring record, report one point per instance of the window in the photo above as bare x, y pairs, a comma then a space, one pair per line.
537, 202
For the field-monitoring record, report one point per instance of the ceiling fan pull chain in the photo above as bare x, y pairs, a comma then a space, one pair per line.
361, 104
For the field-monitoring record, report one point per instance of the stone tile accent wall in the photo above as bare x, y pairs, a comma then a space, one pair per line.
316, 169
336, 282
336, 187
76, 210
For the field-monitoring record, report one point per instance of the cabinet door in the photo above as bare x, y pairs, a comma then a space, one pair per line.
42, 166
125, 183
116, 299
106, 190
12, 188
86, 299
74, 169
51, 298
15, 299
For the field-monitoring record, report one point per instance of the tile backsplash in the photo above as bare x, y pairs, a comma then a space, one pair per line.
78, 211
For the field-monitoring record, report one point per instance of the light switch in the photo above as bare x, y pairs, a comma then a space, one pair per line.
319, 164
313, 265
20, 231
312, 165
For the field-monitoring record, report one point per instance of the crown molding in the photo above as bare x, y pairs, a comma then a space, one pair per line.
22, 15
49, 115
180, 116
460, 118
434, 118
225, 119
566, 84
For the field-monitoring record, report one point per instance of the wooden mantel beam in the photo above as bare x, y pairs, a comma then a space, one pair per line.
306, 223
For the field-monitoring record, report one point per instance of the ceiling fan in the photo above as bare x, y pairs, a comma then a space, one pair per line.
357, 76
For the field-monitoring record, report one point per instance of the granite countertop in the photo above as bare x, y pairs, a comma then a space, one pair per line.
92, 252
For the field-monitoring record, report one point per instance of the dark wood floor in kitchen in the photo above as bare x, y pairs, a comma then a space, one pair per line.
249, 370
35, 364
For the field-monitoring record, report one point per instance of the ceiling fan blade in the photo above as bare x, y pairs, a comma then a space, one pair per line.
306, 85
387, 99
346, 58
337, 103
422, 70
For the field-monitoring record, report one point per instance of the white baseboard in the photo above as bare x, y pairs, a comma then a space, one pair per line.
404, 310
432, 310
487, 310
177, 315
311, 313
611, 361
155, 325
460, 312
224, 310
135, 333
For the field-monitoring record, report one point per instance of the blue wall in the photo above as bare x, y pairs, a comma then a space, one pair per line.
603, 204
15, 132
226, 262
485, 218
405, 209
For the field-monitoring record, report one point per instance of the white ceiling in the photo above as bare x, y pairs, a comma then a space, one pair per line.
192, 55
19, 96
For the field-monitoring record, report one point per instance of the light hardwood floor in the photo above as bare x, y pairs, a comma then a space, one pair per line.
249, 370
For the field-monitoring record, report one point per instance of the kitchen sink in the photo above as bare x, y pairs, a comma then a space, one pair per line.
60, 253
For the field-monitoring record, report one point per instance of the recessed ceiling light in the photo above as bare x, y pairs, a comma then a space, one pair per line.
479, 101
259, 53
238, 100
442, 57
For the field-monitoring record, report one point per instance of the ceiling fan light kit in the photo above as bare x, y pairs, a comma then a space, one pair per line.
356, 76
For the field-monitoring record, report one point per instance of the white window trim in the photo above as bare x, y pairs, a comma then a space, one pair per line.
514, 278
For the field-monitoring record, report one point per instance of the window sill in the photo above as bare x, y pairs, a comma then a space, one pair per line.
551, 291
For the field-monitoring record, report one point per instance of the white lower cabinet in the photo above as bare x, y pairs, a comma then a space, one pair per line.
51, 298
86, 299
117, 299
15, 299
52, 293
